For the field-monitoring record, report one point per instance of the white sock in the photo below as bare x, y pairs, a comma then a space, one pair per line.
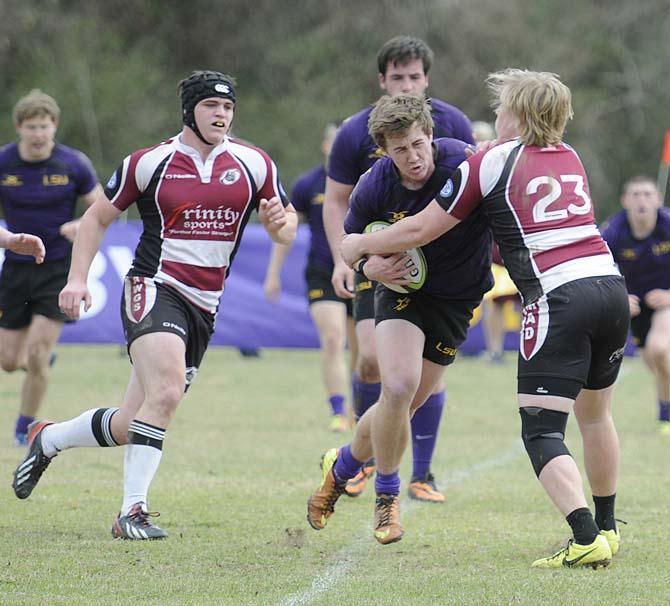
79, 431
139, 468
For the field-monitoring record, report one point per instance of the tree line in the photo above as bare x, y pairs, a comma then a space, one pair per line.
114, 66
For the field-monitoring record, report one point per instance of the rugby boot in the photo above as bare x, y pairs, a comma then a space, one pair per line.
387, 519
424, 489
30, 470
356, 485
135, 525
613, 539
595, 555
321, 505
664, 428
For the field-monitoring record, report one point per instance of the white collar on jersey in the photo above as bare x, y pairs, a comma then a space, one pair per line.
204, 168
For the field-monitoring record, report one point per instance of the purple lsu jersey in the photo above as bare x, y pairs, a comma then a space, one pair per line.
354, 151
307, 198
38, 197
645, 264
459, 261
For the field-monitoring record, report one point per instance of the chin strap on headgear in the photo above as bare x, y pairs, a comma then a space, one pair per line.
202, 85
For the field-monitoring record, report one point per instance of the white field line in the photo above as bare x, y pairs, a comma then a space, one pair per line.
350, 555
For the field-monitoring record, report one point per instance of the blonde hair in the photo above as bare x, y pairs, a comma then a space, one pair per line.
35, 104
540, 102
394, 116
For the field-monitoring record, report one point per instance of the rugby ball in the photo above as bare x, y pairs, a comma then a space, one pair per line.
417, 268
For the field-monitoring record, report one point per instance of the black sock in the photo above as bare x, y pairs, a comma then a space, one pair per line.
583, 526
605, 512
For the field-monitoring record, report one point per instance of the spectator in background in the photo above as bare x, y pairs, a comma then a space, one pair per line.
332, 314
40, 182
403, 63
639, 238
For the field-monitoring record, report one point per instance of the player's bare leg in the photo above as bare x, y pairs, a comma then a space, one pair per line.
330, 319
42, 337
29, 349
158, 360
593, 411
656, 354
368, 389
543, 426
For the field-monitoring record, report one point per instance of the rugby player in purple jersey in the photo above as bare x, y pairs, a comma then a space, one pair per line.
418, 333
195, 193
40, 182
534, 191
332, 315
639, 238
403, 63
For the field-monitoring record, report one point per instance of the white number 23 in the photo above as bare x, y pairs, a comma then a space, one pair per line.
540, 209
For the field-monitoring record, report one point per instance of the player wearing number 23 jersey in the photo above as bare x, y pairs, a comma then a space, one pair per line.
539, 208
540, 211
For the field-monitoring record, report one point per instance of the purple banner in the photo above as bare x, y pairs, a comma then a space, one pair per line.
245, 318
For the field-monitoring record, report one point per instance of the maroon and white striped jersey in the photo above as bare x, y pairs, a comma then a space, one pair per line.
538, 205
193, 212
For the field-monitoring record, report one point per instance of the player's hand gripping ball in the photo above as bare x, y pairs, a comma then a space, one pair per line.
417, 268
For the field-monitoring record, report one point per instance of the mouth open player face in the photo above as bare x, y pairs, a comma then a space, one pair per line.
214, 116
412, 154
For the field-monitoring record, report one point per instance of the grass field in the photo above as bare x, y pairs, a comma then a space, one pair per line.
240, 461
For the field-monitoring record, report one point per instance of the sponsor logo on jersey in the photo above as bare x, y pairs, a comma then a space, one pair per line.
319, 199
180, 176
202, 220
11, 181
396, 216
50, 180
448, 189
214, 217
230, 176
662, 248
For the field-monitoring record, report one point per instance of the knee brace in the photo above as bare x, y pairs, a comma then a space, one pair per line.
543, 432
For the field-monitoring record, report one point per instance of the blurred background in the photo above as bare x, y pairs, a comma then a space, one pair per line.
114, 66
